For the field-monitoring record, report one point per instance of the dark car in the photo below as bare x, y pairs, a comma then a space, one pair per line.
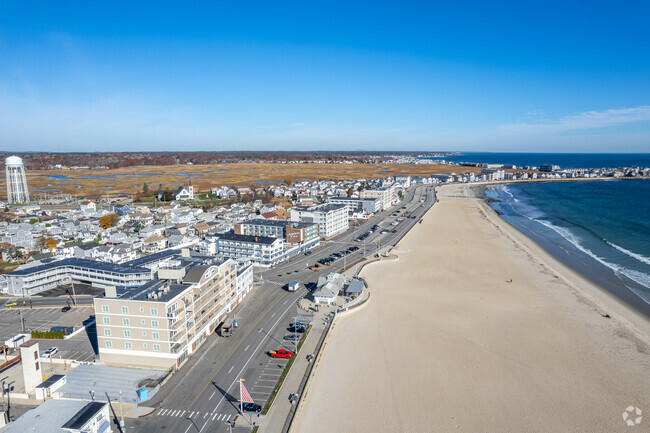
292, 337
299, 329
252, 407
66, 309
307, 253
354, 248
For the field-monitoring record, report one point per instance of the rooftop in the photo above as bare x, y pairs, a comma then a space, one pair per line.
82, 417
165, 290
124, 268
246, 238
46, 418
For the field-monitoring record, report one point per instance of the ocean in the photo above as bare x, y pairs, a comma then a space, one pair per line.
564, 160
601, 229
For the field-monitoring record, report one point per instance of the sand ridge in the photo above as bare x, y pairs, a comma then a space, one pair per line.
475, 329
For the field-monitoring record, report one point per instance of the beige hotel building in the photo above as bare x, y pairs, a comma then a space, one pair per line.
161, 323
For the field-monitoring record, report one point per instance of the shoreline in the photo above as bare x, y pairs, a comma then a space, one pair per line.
497, 335
597, 274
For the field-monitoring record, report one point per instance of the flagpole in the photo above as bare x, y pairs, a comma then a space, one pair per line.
241, 401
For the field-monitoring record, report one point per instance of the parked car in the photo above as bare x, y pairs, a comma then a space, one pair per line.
292, 337
50, 352
307, 253
252, 407
281, 353
66, 309
11, 304
298, 328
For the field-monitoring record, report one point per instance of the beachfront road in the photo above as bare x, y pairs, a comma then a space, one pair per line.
204, 394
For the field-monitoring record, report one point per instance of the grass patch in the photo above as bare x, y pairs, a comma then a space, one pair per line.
286, 370
256, 428
6, 267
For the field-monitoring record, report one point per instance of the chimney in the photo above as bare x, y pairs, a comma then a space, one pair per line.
110, 292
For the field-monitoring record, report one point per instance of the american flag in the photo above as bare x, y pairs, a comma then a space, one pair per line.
245, 396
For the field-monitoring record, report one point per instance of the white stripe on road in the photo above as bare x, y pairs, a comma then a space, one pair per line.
205, 416
162, 412
206, 423
176, 412
251, 357
221, 416
247, 348
188, 427
212, 395
192, 415
183, 414
264, 386
272, 315
215, 416
231, 369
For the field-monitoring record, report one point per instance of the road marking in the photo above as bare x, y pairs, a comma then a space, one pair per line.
229, 356
284, 302
188, 427
177, 413
231, 368
259, 330
258, 346
183, 414
206, 415
192, 415
206, 423
247, 348
272, 315
264, 386
215, 416
212, 395
162, 412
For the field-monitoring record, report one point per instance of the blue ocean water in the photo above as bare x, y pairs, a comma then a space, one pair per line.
564, 160
602, 228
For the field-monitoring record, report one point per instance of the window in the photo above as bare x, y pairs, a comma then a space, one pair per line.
108, 343
127, 333
142, 322
155, 336
104, 308
107, 320
37, 366
156, 347
126, 322
154, 323
107, 332
125, 310
154, 311
144, 334
141, 310
127, 345
35, 355
144, 345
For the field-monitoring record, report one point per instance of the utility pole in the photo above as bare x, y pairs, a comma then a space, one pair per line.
74, 296
121, 412
22, 320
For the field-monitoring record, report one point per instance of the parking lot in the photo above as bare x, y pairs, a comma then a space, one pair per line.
78, 348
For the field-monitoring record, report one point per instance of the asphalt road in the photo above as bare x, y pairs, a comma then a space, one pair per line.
204, 394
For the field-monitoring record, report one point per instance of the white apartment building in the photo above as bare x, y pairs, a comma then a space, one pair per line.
358, 207
31, 280
261, 250
163, 322
332, 219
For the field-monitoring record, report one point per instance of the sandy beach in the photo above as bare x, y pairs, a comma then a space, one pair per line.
475, 328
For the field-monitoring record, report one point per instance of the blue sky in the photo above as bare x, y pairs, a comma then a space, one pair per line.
484, 76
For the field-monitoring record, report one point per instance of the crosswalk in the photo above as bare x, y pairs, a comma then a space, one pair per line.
180, 413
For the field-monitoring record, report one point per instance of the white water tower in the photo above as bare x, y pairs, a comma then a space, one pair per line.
16, 181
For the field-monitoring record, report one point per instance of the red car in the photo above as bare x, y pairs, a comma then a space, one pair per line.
280, 353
